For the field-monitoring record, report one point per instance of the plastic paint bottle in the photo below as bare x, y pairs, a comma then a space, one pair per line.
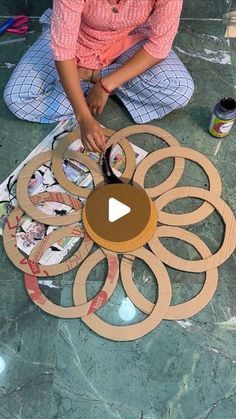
223, 118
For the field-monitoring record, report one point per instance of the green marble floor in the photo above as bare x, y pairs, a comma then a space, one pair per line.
51, 368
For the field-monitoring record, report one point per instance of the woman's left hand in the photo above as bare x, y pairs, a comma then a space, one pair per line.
97, 99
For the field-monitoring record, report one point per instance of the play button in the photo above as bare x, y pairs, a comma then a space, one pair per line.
119, 217
117, 210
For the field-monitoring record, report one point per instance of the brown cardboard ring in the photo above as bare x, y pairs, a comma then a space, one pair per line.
27, 265
213, 175
61, 152
165, 136
37, 296
178, 311
27, 203
134, 331
67, 184
61, 149
129, 245
171, 182
130, 159
225, 212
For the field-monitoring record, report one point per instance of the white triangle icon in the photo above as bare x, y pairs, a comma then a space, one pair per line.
117, 210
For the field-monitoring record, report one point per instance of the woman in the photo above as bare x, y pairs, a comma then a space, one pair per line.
96, 48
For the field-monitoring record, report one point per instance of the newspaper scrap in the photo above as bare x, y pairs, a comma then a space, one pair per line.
30, 231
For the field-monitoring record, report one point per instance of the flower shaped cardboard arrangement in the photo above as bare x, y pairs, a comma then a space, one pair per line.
168, 225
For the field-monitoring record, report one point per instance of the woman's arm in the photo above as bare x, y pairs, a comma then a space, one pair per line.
66, 21
139, 63
164, 22
91, 132
70, 81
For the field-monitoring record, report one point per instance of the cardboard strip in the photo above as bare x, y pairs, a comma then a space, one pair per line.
228, 245
27, 203
163, 135
230, 20
178, 311
215, 182
94, 304
32, 267
133, 331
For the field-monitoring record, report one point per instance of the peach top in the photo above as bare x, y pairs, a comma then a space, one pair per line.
95, 32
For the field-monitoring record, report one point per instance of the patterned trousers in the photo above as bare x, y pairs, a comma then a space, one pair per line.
34, 92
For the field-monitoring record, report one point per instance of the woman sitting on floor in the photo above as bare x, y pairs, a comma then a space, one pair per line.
93, 48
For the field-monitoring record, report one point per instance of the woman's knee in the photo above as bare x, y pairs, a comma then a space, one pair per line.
21, 90
181, 90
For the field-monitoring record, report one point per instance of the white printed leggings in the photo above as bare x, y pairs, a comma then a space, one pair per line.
34, 92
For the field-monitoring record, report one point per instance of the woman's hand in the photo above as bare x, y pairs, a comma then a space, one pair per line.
97, 99
92, 135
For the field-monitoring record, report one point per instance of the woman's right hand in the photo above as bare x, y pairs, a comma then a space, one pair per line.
92, 135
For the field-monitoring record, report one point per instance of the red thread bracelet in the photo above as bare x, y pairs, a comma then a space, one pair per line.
104, 88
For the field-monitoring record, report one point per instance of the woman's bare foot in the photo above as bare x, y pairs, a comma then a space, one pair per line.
88, 74
85, 73
96, 76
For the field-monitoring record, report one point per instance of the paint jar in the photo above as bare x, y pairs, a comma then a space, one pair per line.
223, 118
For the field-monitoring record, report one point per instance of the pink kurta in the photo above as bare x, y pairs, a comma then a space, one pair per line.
95, 32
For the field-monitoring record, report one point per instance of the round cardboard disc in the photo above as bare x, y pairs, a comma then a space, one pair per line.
133, 331
178, 311
128, 233
94, 304
228, 245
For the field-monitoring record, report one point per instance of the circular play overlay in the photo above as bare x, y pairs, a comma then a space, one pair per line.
126, 232
123, 218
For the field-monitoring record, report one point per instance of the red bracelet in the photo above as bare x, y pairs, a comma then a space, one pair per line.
104, 88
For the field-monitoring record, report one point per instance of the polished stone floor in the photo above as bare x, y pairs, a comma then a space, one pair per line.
53, 368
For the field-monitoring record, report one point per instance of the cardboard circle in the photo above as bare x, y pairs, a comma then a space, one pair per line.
94, 304
187, 153
129, 245
27, 203
178, 311
171, 182
28, 265
138, 175
61, 153
133, 331
130, 160
225, 212
128, 233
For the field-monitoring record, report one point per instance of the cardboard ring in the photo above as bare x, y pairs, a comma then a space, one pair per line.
225, 212
133, 331
94, 304
130, 159
138, 175
213, 175
62, 152
27, 203
178, 311
171, 182
29, 266
129, 245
